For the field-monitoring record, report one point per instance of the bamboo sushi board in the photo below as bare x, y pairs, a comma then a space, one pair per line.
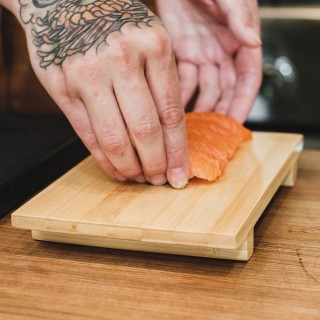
213, 220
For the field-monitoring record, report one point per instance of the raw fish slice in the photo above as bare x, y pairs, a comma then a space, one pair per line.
221, 123
213, 140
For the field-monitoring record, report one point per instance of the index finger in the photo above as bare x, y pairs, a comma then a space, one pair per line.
249, 75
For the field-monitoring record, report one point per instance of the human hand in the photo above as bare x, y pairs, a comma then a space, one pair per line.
109, 66
217, 46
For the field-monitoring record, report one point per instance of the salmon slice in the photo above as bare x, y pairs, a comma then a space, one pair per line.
213, 140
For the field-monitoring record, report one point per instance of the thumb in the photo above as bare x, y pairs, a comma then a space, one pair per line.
241, 18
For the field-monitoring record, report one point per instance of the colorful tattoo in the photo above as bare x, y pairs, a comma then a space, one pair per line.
62, 28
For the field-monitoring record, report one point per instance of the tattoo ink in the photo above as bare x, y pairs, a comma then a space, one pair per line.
68, 27
43, 3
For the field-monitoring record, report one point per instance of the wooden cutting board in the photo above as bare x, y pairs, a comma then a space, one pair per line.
205, 219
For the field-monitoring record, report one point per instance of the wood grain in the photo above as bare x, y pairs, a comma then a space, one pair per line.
52, 281
85, 202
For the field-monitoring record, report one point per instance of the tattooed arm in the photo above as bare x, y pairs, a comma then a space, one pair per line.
109, 65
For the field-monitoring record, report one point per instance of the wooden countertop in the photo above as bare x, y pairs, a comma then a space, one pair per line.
281, 281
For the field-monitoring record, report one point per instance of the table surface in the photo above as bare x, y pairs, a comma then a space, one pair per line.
281, 281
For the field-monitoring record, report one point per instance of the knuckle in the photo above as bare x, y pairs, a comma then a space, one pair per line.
113, 144
90, 141
154, 168
175, 154
160, 44
121, 51
147, 131
172, 116
151, 170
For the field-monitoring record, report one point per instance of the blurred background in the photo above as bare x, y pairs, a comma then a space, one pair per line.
37, 143
289, 98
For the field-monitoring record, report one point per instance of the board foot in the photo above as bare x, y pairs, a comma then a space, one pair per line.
243, 253
292, 175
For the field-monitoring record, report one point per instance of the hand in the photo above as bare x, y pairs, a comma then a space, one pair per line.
218, 49
109, 65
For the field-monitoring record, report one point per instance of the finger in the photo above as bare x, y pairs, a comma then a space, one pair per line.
210, 91
162, 77
141, 117
111, 131
69, 102
188, 74
227, 80
248, 66
241, 19
79, 119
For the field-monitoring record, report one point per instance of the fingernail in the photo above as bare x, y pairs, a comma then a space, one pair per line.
178, 178
253, 36
119, 176
140, 179
158, 180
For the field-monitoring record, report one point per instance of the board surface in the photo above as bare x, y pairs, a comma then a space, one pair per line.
88, 205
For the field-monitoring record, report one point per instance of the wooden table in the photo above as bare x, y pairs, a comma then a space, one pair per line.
281, 281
